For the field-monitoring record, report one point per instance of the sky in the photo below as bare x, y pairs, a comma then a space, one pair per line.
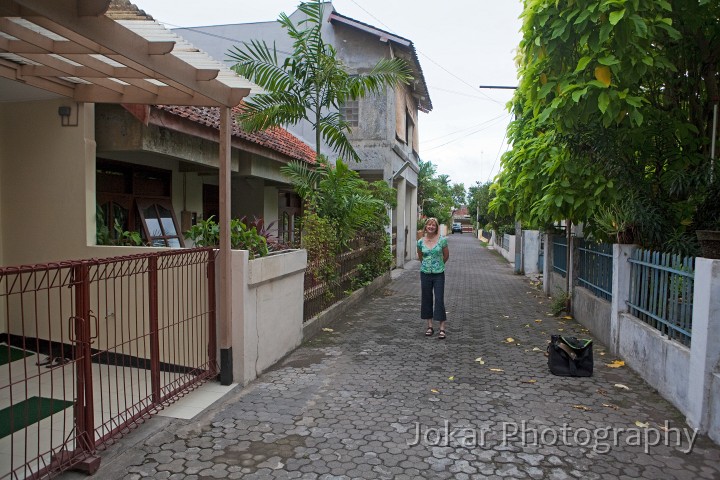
467, 44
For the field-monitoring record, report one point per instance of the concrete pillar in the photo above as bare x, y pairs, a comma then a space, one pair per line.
531, 251
412, 222
547, 263
401, 219
620, 290
705, 346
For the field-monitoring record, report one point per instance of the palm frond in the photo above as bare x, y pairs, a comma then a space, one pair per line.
332, 129
303, 178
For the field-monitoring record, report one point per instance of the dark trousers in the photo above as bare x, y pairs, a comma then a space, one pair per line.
432, 283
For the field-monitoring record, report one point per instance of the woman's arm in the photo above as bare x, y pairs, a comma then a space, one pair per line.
446, 254
419, 251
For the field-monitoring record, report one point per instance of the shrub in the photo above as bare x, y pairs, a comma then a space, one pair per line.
206, 233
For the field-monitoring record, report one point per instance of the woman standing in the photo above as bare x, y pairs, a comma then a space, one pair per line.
433, 254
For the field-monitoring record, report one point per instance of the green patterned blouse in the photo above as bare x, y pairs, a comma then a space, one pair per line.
432, 261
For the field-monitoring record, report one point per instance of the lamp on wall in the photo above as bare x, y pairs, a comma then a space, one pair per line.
64, 112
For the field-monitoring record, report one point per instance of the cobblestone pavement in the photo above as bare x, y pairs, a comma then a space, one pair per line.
350, 403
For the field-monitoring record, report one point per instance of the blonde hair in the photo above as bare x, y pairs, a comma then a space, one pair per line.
437, 224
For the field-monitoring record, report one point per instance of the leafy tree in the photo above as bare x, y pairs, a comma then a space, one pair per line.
612, 116
310, 84
459, 195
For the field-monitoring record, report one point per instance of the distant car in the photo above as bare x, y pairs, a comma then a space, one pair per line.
456, 227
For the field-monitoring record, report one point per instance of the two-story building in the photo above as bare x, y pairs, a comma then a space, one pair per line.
385, 127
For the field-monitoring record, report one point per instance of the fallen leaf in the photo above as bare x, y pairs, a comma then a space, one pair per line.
550, 314
583, 408
601, 391
536, 349
527, 325
615, 364
664, 428
480, 360
530, 381
497, 370
506, 316
538, 321
602, 354
328, 330
567, 317
561, 329
641, 424
434, 390
509, 340
451, 377
620, 385
610, 405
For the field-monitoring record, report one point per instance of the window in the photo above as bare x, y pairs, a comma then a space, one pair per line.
138, 199
350, 112
159, 224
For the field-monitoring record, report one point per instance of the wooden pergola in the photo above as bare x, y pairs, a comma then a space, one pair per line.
103, 51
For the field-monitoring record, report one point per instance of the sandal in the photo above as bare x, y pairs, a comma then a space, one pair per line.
429, 332
441, 335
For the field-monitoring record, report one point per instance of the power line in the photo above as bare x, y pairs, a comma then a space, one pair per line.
430, 59
498, 154
457, 139
465, 129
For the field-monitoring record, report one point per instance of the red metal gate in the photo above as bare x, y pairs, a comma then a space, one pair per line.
90, 348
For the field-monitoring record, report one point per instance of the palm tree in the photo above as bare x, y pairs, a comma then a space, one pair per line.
310, 84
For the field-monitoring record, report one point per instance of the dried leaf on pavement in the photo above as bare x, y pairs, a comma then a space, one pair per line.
509, 340
641, 424
434, 390
610, 405
497, 370
620, 385
583, 408
480, 360
615, 364
327, 329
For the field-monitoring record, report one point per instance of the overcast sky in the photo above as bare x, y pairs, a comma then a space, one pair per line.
461, 44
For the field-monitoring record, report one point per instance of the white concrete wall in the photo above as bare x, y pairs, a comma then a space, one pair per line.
662, 363
267, 310
510, 253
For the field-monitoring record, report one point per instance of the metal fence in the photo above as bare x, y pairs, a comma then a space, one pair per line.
90, 348
661, 292
559, 258
595, 267
327, 280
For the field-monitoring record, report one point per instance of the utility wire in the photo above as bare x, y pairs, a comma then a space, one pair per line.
460, 138
391, 30
507, 147
465, 129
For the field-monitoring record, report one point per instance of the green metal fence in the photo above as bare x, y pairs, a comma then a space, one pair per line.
559, 258
661, 292
595, 267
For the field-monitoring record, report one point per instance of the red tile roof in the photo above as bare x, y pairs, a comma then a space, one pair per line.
461, 212
275, 138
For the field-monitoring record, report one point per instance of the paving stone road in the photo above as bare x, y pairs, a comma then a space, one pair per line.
375, 398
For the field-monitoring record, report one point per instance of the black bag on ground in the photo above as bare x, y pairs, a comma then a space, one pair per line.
570, 357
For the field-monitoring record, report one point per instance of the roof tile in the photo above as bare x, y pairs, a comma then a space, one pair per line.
275, 138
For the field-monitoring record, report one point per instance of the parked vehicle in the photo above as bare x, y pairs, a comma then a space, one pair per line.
456, 228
